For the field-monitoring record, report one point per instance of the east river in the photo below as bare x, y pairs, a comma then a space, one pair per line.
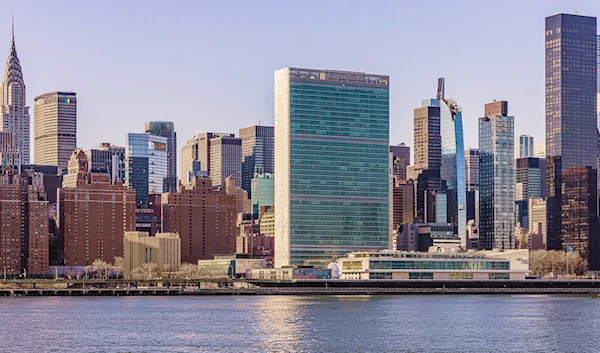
301, 324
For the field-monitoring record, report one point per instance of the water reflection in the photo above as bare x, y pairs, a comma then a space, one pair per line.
301, 324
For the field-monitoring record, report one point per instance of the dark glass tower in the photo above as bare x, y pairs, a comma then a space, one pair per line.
571, 135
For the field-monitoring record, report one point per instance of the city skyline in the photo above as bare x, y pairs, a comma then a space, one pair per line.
138, 61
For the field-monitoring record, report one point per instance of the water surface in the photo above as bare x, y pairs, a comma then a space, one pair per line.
301, 324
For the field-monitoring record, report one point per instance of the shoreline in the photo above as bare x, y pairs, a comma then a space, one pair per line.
159, 287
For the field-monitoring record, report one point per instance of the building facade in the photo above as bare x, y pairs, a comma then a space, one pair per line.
537, 218
55, 128
93, 214
403, 202
405, 265
9, 153
263, 193
166, 129
13, 100
258, 152
400, 160
524, 146
530, 178
109, 159
24, 236
332, 162
472, 169
452, 170
571, 135
197, 149
427, 159
146, 165
205, 219
225, 160
496, 178
163, 249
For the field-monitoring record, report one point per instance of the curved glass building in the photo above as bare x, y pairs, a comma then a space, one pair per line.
453, 164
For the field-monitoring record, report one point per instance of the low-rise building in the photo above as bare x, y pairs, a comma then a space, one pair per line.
164, 249
288, 273
228, 266
402, 265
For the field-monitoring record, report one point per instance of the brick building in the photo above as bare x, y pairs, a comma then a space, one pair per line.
24, 223
93, 214
204, 217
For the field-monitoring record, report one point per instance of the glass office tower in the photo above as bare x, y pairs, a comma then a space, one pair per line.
453, 162
332, 164
146, 166
496, 178
166, 129
571, 135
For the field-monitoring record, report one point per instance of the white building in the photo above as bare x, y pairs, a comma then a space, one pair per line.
483, 265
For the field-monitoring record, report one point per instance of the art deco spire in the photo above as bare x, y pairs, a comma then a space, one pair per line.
12, 70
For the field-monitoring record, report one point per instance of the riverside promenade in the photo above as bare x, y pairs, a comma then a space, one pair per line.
158, 287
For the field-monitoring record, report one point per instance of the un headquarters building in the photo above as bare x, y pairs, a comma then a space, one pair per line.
331, 164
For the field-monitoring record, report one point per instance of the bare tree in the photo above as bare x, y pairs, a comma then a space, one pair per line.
545, 262
118, 265
146, 271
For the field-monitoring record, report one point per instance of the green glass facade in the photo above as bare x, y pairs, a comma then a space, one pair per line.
339, 165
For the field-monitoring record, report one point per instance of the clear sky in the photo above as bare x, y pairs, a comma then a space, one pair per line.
208, 66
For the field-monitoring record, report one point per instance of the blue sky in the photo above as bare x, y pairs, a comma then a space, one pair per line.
208, 66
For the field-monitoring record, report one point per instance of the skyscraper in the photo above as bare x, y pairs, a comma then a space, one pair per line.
55, 128
225, 160
530, 178
427, 160
400, 160
571, 135
472, 169
453, 162
332, 161
472, 186
15, 114
197, 149
146, 165
496, 178
524, 146
257, 153
166, 129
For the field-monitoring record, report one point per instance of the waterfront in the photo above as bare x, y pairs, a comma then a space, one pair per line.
301, 324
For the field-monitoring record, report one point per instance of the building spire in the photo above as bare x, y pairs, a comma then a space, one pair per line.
13, 26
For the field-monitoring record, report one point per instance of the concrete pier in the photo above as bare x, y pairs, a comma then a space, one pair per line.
301, 287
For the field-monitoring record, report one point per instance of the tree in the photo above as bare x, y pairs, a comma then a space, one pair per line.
544, 262
118, 265
101, 268
187, 271
146, 271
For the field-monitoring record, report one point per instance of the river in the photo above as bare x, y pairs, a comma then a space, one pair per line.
301, 324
